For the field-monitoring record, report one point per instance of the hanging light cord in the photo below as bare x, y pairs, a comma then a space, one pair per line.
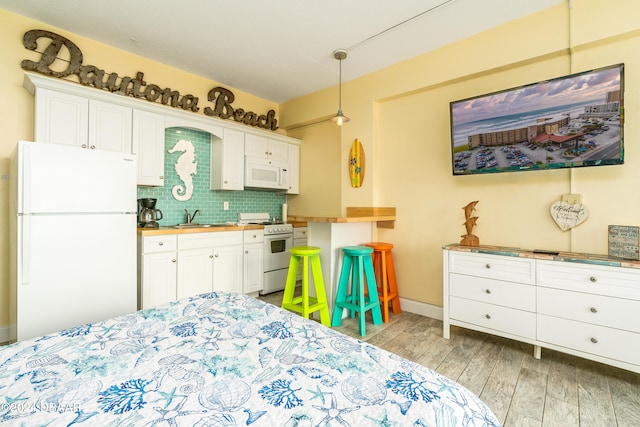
393, 27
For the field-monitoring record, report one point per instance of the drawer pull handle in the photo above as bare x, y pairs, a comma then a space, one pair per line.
161, 243
487, 266
487, 316
173, 260
211, 256
593, 279
594, 310
488, 291
594, 340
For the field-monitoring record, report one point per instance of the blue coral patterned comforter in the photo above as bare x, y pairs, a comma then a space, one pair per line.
222, 359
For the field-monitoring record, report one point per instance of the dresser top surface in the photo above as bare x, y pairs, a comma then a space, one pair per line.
595, 259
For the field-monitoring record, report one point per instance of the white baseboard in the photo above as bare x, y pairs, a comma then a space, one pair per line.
421, 308
7, 333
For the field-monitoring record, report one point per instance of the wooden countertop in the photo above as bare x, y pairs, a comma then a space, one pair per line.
384, 217
172, 230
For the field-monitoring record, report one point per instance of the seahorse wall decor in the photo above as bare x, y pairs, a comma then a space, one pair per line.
185, 167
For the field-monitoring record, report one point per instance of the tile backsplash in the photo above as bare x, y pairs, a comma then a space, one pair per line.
209, 202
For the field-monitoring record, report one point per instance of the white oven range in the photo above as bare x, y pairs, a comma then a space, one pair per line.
278, 239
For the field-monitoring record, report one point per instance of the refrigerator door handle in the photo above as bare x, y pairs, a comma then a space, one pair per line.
25, 250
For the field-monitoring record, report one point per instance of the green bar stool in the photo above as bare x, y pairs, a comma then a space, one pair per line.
305, 304
354, 298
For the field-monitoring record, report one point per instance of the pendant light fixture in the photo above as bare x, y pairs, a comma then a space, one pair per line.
340, 118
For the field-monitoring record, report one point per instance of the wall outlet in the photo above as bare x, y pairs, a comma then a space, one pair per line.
226, 206
572, 199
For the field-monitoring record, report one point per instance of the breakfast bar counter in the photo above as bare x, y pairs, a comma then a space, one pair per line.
330, 234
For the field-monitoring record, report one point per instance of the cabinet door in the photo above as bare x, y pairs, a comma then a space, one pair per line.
158, 282
148, 145
278, 150
294, 169
109, 126
227, 161
227, 268
195, 272
253, 268
256, 146
61, 118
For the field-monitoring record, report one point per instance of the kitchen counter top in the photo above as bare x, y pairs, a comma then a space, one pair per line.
385, 217
172, 230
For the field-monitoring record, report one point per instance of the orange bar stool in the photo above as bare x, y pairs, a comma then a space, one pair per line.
385, 278
305, 304
357, 265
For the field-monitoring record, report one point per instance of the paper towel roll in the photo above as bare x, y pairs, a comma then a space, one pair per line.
284, 213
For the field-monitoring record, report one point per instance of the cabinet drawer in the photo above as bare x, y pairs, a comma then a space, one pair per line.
508, 268
155, 244
253, 236
209, 240
509, 294
300, 233
497, 318
595, 279
598, 340
595, 309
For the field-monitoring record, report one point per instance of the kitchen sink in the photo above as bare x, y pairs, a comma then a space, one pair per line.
192, 225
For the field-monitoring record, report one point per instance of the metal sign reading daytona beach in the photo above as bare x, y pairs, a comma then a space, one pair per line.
91, 75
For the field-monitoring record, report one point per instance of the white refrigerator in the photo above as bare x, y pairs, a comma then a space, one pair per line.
73, 237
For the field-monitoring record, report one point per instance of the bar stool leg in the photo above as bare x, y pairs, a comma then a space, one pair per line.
373, 293
290, 284
341, 295
321, 294
393, 285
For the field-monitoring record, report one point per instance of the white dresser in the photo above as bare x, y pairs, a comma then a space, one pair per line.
584, 305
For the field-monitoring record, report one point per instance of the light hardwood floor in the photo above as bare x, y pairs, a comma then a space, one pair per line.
557, 391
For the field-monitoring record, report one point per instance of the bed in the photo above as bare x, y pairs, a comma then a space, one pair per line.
222, 359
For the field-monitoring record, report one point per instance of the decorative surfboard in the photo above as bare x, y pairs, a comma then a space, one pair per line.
356, 164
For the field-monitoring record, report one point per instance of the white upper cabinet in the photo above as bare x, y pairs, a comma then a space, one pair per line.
109, 126
262, 147
148, 145
67, 119
227, 161
294, 169
61, 118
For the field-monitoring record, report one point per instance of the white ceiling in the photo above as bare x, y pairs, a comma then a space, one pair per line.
280, 49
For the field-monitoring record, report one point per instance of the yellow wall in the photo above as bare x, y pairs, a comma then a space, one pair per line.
16, 106
401, 114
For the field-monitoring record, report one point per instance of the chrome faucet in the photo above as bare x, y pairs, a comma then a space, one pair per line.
191, 217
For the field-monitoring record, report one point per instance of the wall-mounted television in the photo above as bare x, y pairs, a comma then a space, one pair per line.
570, 121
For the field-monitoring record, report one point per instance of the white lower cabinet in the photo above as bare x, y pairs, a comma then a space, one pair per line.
209, 262
177, 266
253, 278
585, 309
157, 268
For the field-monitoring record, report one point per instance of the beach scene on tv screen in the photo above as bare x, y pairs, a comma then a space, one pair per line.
568, 121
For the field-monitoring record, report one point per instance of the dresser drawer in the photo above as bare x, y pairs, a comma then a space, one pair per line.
509, 294
513, 269
598, 340
595, 309
155, 244
495, 317
595, 279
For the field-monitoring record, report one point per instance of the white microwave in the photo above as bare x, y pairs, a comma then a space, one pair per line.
263, 173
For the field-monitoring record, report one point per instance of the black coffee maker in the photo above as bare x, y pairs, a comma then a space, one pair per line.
148, 214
